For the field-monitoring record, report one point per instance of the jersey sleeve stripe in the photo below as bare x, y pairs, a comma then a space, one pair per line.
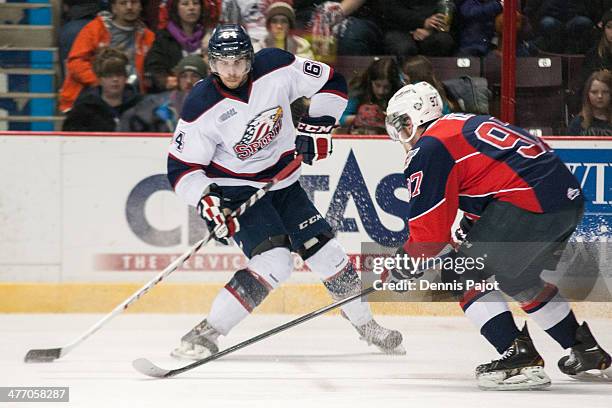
336, 84
467, 157
496, 192
332, 71
178, 169
170, 155
337, 93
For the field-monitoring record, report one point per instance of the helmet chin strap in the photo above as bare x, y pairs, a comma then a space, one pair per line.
412, 138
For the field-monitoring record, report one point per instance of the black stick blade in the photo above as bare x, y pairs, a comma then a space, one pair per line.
144, 366
43, 355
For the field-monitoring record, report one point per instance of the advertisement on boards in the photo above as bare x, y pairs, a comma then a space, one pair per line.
111, 215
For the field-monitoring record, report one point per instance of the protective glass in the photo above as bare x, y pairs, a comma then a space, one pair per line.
398, 126
230, 66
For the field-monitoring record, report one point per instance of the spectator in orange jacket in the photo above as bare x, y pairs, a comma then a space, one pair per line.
123, 30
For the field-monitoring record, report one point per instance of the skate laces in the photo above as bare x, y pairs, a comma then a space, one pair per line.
508, 353
205, 329
201, 327
571, 359
202, 331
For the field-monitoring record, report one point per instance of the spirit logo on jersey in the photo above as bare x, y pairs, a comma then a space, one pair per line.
259, 133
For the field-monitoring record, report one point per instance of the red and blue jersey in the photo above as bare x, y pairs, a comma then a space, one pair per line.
465, 162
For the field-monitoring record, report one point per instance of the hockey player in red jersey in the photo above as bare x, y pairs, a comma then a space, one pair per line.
521, 205
234, 135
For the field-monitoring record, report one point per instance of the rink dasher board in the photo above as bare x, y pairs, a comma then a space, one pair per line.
98, 208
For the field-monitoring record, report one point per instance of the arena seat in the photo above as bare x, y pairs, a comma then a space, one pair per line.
540, 98
453, 67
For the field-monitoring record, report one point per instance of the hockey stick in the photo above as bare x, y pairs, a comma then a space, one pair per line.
148, 368
48, 355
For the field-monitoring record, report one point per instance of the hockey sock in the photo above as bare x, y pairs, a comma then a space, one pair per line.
243, 293
226, 312
341, 280
248, 288
500, 331
553, 314
564, 332
489, 312
345, 284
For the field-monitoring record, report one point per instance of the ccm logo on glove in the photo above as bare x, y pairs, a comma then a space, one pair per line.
308, 128
314, 140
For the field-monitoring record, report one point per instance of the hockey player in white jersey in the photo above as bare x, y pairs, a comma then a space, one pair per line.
234, 135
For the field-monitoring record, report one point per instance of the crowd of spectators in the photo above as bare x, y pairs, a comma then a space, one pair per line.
164, 48
368, 97
98, 108
595, 117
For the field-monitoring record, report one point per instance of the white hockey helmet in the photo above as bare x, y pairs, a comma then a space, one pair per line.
410, 107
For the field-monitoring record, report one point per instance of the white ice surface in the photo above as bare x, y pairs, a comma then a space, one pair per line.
317, 365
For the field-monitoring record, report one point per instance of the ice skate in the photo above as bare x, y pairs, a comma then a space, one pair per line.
199, 343
520, 368
587, 360
388, 341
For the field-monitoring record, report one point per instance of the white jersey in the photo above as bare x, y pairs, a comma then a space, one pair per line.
244, 137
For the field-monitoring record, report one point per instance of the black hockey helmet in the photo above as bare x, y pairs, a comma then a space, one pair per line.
230, 41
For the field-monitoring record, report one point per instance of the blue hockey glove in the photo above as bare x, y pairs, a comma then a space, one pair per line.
314, 140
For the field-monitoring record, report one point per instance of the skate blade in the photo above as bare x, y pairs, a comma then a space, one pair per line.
188, 355
529, 378
398, 351
594, 375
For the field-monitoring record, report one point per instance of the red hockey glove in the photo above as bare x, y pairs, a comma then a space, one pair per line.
220, 225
